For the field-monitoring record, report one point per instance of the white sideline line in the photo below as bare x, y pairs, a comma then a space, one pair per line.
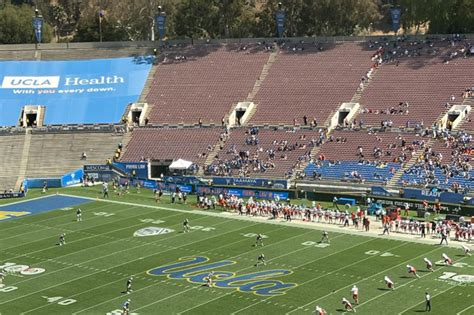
387, 292
313, 279
295, 224
20, 224
88, 275
467, 308
78, 231
73, 253
121, 279
349, 285
146, 287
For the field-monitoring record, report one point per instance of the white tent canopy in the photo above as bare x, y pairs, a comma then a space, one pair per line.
180, 164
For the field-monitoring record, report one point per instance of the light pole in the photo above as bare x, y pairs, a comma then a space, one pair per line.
101, 15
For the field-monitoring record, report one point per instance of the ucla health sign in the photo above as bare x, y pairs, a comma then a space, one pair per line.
74, 92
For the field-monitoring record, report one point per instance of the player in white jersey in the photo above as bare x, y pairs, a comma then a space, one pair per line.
185, 225
325, 237
129, 285
348, 305
319, 310
259, 240
389, 283
412, 270
78, 214
447, 260
467, 250
261, 260
62, 239
209, 279
126, 307
355, 294
429, 264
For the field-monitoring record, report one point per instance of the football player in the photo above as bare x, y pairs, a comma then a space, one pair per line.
62, 239
260, 260
447, 260
78, 214
129, 285
319, 310
355, 294
348, 305
259, 240
186, 225
412, 270
389, 283
467, 250
429, 264
126, 307
325, 237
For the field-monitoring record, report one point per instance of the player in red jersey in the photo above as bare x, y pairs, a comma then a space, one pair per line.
412, 270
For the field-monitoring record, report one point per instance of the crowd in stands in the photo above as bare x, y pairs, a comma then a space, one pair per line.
434, 168
251, 157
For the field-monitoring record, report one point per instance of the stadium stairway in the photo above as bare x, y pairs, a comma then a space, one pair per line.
24, 158
258, 84
11, 147
148, 84
358, 94
394, 181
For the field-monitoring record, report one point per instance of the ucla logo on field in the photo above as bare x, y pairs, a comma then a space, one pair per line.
152, 231
4, 215
195, 269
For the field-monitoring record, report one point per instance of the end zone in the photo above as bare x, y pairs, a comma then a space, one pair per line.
39, 205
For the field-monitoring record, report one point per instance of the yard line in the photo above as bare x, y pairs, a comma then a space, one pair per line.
79, 232
380, 295
328, 273
122, 279
467, 308
295, 224
88, 248
453, 286
63, 224
44, 220
192, 288
116, 266
381, 272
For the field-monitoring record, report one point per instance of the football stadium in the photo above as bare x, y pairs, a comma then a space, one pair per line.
233, 157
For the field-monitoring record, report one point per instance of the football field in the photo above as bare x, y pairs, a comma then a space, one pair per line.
118, 240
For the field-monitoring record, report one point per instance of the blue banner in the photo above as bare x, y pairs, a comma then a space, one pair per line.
161, 24
432, 195
72, 178
379, 191
74, 92
243, 193
280, 17
187, 180
396, 16
254, 182
140, 169
38, 27
39, 182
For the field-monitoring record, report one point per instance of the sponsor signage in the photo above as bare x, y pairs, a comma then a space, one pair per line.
152, 231
280, 17
140, 169
11, 195
379, 191
243, 193
254, 182
72, 178
74, 92
195, 269
97, 168
432, 195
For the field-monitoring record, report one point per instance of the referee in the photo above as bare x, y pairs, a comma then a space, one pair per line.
428, 302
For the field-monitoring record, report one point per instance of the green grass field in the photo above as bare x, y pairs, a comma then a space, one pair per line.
88, 275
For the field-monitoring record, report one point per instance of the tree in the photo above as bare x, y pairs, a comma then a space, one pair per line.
88, 30
197, 19
16, 25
